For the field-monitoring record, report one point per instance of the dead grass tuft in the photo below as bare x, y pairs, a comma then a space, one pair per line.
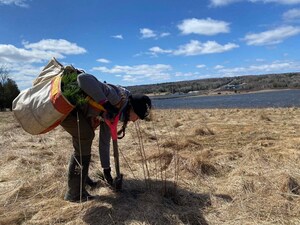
204, 131
208, 166
177, 124
265, 118
202, 166
289, 185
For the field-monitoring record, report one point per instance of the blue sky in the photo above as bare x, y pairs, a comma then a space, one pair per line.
137, 42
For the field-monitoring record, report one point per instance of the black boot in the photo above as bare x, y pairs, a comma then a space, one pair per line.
76, 179
90, 182
108, 176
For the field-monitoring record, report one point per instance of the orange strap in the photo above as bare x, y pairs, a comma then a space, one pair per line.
60, 103
95, 104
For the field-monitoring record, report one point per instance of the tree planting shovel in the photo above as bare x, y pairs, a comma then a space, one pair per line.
113, 125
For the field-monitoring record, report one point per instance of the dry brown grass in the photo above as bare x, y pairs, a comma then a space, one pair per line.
233, 166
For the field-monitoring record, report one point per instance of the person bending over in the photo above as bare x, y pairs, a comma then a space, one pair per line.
85, 118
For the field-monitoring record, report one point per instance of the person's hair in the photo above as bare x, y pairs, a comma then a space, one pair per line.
141, 105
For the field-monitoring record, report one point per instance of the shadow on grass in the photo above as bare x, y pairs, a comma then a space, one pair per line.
154, 202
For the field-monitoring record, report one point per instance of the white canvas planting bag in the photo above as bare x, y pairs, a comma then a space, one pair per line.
42, 107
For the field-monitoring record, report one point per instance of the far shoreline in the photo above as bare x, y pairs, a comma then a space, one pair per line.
214, 93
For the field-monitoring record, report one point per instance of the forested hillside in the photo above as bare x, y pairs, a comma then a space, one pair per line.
239, 83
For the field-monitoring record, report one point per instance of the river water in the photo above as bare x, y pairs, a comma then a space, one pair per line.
282, 98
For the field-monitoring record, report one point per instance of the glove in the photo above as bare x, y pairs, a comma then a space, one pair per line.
111, 111
108, 176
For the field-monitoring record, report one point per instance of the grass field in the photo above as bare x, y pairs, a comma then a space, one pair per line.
214, 166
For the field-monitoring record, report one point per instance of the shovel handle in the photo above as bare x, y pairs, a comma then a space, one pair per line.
116, 157
113, 125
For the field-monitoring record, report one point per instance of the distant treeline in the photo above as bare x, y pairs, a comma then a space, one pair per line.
239, 83
8, 90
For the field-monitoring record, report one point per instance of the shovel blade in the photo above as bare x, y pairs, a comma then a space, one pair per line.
118, 182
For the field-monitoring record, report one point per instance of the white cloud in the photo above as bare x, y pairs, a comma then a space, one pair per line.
60, 46
144, 72
22, 61
227, 2
201, 66
103, 60
118, 36
274, 67
185, 76
157, 50
147, 33
21, 3
25, 74
195, 47
12, 54
39, 51
165, 34
291, 15
284, 2
130, 78
218, 67
271, 37
223, 2
203, 26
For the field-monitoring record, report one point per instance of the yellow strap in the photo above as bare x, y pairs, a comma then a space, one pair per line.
95, 104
